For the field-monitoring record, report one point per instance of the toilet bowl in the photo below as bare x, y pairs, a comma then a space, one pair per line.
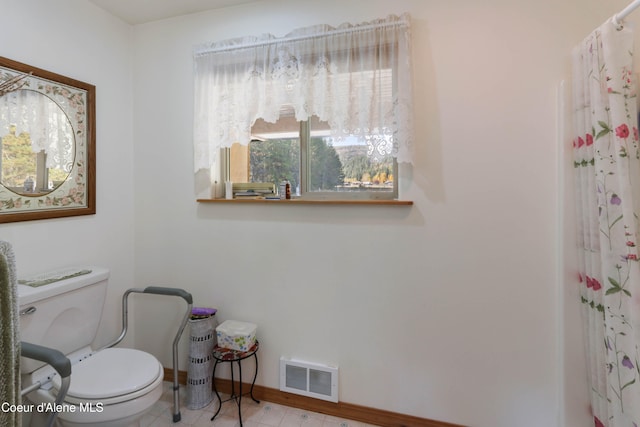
111, 387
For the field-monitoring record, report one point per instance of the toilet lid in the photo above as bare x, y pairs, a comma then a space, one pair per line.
111, 372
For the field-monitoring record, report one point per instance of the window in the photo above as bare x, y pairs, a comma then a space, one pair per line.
23, 170
327, 109
36, 142
305, 154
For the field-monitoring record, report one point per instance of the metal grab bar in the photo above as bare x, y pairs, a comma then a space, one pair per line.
59, 362
160, 290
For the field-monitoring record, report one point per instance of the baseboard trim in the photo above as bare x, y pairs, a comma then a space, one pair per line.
348, 411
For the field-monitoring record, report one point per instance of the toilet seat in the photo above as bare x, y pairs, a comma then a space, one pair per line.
112, 375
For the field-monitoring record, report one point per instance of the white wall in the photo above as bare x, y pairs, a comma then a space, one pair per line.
453, 309
464, 319
76, 39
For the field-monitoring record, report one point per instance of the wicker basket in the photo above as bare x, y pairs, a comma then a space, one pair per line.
202, 341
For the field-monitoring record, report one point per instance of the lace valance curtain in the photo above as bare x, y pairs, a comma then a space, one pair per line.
30, 112
355, 77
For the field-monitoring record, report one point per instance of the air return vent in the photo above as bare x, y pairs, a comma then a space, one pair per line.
309, 379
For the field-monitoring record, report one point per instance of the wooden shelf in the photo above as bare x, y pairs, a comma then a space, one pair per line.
311, 202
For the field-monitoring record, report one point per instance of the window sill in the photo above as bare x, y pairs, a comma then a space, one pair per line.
311, 202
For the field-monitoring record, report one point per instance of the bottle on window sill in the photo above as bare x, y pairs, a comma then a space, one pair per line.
30, 185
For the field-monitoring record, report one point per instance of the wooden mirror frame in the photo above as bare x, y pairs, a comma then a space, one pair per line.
77, 194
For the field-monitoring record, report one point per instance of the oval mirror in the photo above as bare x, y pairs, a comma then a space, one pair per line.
47, 144
37, 143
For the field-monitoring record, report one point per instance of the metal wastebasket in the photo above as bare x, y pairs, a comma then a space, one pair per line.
203, 324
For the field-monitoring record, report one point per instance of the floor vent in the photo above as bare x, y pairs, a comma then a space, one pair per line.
309, 379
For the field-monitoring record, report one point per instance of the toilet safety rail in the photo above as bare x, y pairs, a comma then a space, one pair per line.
160, 290
58, 361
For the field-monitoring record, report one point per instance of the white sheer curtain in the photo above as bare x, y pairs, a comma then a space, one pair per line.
607, 174
48, 126
355, 77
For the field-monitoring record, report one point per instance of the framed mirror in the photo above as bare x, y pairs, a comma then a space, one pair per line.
47, 144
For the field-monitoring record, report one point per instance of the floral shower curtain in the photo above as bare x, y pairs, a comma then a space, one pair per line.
607, 171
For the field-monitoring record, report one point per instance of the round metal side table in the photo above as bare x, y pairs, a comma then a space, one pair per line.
222, 355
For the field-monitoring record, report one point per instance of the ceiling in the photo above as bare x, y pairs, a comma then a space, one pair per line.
141, 11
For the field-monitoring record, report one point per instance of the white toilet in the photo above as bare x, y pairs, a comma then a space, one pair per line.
111, 387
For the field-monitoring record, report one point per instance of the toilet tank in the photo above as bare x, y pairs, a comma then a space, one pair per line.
63, 314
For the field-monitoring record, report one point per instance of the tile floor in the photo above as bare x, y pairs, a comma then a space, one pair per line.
264, 414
